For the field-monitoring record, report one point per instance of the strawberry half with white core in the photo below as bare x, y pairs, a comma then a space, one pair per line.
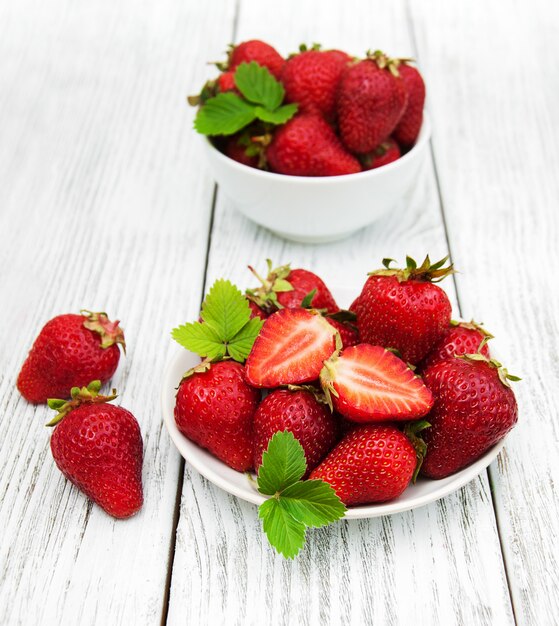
290, 349
403, 309
370, 384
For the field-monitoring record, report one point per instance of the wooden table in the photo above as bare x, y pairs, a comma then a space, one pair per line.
106, 203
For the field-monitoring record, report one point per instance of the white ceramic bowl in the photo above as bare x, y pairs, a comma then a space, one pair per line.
317, 209
422, 492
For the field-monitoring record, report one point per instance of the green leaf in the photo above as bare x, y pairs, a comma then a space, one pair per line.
202, 339
281, 285
257, 84
283, 464
306, 302
284, 532
312, 502
279, 116
225, 309
225, 114
240, 346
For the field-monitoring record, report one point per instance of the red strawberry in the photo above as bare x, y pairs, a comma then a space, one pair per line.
371, 101
98, 447
70, 351
408, 127
300, 413
370, 384
474, 409
373, 463
348, 332
236, 149
386, 153
287, 288
311, 80
460, 338
308, 146
259, 51
256, 311
226, 82
290, 349
403, 309
214, 408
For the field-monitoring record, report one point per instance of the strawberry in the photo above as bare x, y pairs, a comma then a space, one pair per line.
349, 333
386, 153
214, 408
308, 146
474, 409
371, 100
370, 384
460, 338
290, 349
311, 80
372, 463
259, 51
287, 288
403, 309
408, 127
70, 351
299, 412
256, 311
226, 82
236, 149
98, 447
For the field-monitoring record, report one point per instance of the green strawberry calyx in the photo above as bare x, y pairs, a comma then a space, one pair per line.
265, 296
293, 504
426, 272
79, 397
111, 333
385, 62
412, 430
502, 371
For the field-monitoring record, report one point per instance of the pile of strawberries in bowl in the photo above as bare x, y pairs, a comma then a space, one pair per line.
373, 396
341, 131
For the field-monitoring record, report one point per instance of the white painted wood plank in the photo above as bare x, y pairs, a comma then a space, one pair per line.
501, 192
437, 565
104, 205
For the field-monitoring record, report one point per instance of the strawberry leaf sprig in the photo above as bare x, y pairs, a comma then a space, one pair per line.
226, 329
261, 97
294, 504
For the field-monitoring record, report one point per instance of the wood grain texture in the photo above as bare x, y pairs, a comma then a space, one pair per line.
501, 192
440, 564
104, 205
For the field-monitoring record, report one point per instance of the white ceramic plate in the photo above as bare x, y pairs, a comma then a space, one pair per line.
423, 492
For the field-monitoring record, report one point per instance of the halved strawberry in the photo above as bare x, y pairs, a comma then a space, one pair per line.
370, 384
290, 349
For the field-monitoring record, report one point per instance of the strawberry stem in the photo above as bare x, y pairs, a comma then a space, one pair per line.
85, 395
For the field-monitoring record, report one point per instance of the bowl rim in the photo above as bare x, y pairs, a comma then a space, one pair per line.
423, 138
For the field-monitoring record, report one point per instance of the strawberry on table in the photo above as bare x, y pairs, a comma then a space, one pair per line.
290, 349
403, 309
408, 127
98, 447
372, 463
460, 338
70, 351
474, 409
371, 101
370, 384
298, 411
311, 80
287, 288
308, 146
